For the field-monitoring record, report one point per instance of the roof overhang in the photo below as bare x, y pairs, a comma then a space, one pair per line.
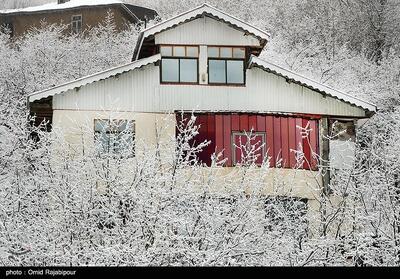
203, 10
93, 78
369, 108
54, 7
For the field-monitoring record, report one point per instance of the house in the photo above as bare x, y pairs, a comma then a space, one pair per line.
80, 15
207, 61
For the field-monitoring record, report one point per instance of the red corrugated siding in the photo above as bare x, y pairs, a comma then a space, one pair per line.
306, 145
211, 134
284, 135
219, 133
314, 144
244, 122
270, 139
277, 141
285, 142
253, 122
235, 122
292, 142
227, 139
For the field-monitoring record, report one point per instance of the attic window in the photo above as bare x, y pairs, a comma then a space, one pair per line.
76, 24
179, 64
226, 65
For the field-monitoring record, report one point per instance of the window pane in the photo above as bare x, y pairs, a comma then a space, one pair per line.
217, 71
239, 53
188, 70
192, 51
120, 125
235, 72
226, 52
100, 125
166, 50
170, 70
179, 51
115, 136
213, 51
102, 135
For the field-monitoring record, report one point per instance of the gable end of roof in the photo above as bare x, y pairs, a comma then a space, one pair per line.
93, 78
313, 85
203, 10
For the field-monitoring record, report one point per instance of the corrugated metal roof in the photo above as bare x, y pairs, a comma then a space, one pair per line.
194, 13
93, 78
311, 84
136, 12
70, 4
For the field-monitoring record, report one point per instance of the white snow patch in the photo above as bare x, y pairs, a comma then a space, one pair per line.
70, 4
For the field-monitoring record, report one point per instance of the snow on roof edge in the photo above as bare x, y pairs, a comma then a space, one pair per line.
92, 78
312, 84
67, 5
188, 15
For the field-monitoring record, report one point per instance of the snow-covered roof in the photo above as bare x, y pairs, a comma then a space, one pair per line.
311, 84
70, 4
93, 78
194, 13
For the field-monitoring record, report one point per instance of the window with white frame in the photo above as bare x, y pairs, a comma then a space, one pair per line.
226, 65
179, 64
115, 136
76, 23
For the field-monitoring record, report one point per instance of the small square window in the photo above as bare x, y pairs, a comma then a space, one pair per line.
192, 51
226, 52
213, 52
179, 51
166, 50
239, 52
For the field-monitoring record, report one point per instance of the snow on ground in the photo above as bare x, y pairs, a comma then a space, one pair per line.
70, 4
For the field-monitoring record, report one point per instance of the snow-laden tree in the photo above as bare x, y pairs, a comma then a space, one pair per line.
108, 207
99, 208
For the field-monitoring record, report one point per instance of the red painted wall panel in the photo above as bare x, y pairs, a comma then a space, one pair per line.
235, 122
244, 122
252, 123
227, 139
285, 142
299, 139
314, 143
299, 132
211, 134
202, 136
281, 134
219, 133
292, 142
306, 144
277, 141
270, 139
261, 122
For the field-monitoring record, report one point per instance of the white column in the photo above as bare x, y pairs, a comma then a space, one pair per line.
203, 78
